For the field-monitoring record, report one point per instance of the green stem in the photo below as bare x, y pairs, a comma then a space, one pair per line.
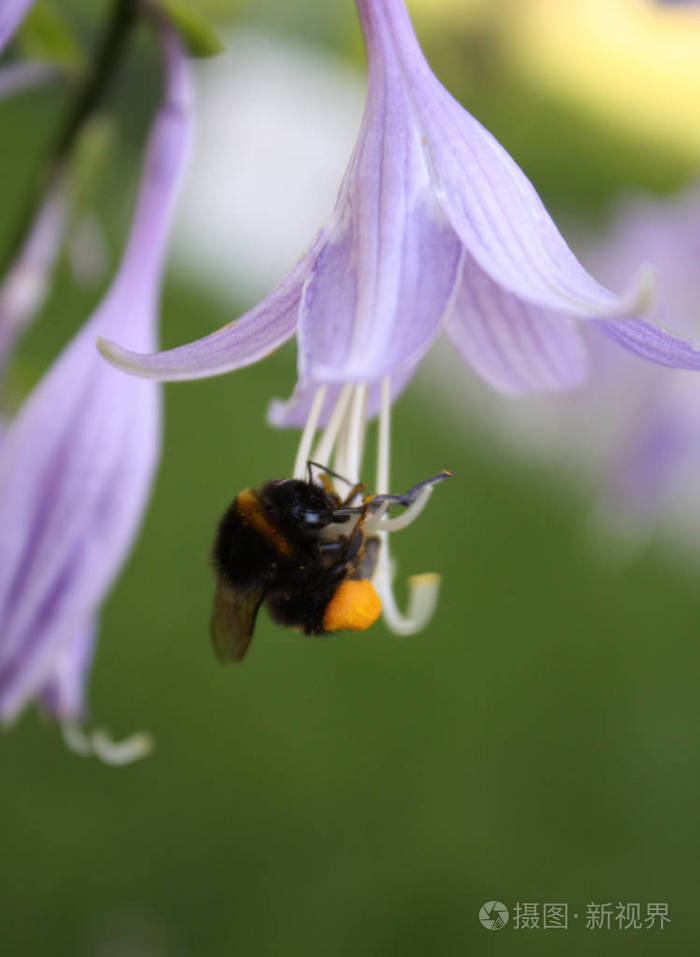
88, 98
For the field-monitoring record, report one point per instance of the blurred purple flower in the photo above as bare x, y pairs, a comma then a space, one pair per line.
12, 12
76, 463
435, 228
657, 445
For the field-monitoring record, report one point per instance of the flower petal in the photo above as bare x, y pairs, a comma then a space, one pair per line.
77, 462
379, 288
294, 412
489, 201
653, 342
516, 347
360, 327
75, 471
64, 692
246, 340
12, 12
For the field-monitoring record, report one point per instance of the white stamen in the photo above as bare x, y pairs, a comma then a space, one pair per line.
383, 438
75, 739
422, 602
355, 434
324, 448
99, 744
117, 753
424, 589
309, 433
340, 459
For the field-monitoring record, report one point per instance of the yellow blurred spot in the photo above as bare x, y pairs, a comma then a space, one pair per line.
424, 580
635, 62
354, 607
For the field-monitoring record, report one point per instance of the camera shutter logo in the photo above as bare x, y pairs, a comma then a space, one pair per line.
493, 915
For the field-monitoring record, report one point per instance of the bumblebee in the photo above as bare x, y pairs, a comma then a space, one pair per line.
305, 552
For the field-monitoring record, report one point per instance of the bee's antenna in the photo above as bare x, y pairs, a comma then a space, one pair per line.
409, 497
328, 471
376, 502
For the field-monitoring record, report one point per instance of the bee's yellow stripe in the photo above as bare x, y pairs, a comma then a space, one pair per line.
251, 512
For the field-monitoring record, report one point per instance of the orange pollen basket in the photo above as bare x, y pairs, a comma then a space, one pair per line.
354, 606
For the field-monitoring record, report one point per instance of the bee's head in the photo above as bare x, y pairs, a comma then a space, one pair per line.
299, 507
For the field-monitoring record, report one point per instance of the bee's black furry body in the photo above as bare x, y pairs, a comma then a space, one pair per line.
270, 540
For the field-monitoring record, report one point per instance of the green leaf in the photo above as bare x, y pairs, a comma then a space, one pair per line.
47, 35
199, 37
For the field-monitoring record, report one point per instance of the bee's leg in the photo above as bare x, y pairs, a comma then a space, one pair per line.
347, 547
328, 486
336, 573
332, 548
355, 490
348, 550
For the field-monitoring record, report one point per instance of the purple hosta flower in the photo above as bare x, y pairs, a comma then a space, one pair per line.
435, 229
12, 12
76, 463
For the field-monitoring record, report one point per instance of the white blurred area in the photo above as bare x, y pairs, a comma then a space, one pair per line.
276, 123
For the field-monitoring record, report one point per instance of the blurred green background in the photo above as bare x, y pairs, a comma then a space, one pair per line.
363, 794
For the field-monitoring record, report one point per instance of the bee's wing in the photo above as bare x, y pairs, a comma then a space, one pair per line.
233, 617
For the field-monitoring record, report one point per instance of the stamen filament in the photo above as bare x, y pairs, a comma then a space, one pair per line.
424, 589
381, 524
383, 438
99, 744
356, 434
340, 461
75, 739
422, 602
118, 753
325, 446
309, 433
